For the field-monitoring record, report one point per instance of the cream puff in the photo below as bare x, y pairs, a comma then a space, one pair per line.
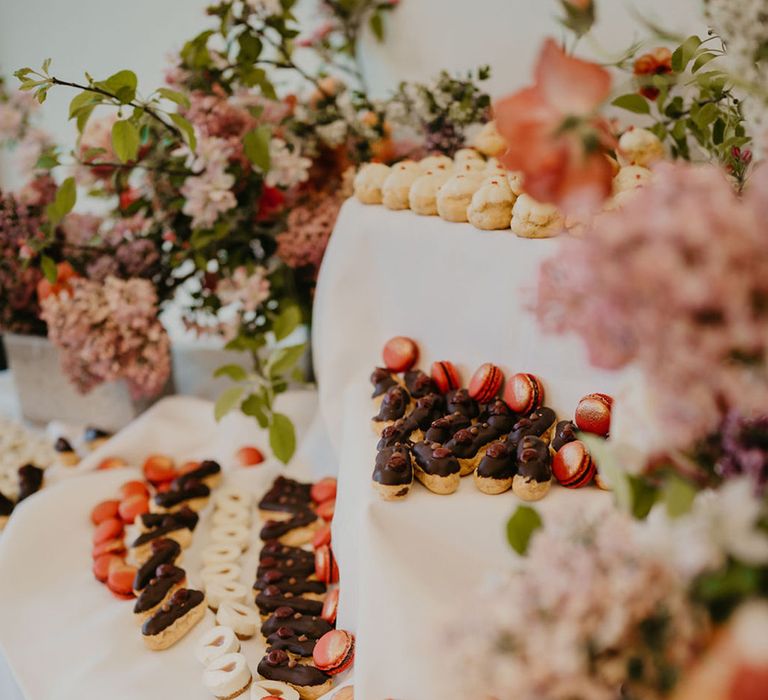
455, 195
369, 181
435, 161
464, 155
423, 195
491, 206
640, 147
489, 141
397, 186
532, 219
494, 167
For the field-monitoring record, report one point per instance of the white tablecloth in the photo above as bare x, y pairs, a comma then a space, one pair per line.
462, 295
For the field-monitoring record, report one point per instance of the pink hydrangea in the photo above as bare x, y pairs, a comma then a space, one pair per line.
308, 229
247, 289
110, 331
677, 282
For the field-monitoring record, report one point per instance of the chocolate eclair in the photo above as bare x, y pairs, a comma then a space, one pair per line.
6, 508
499, 416
96, 437
184, 517
393, 472
66, 454
177, 616
443, 429
308, 680
299, 568
534, 472
295, 644
208, 472
275, 550
565, 432
167, 578
30, 481
314, 627
436, 467
497, 469
285, 498
295, 531
177, 526
393, 406
193, 494
419, 383
272, 598
382, 380
287, 583
398, 433
466, 445
427, 410
539, 424
164, 551
459, 401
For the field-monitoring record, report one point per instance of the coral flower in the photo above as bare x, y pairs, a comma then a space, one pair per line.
656, 62
553, 134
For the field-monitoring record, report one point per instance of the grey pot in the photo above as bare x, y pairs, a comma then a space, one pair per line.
45, 393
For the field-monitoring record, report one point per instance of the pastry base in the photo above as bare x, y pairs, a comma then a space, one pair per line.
97, 443
389, 492
396, 200
491, 218
138, 555
276, 515
492, 486
237, 693
67, 459
172, 634
442, 485
313, 692
368, 196
379, 425
195, 504
301, 535
530, 490
142, 616
454, 209
470, 464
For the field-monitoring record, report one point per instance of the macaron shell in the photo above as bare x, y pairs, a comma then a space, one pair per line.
572, 466
485, 382
445, 376
524, 393
330, 606
400, 354
593, 414
334, 651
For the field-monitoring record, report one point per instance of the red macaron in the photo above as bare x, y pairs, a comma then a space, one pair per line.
159, 469
400, 354
524, 393
111, 463
104, 511
572, 466
593, 414
485, 383
326, 568
324, 490
334, 652
249, 456
108, 529
330, 606
322, 536
445, 376
132, 507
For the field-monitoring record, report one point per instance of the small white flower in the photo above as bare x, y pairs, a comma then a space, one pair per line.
286, 168
334, 133
266, 8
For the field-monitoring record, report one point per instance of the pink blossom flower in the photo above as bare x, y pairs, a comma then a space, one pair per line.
247, 289
308, 229
208, 196
677, 282
110, 331
80, 229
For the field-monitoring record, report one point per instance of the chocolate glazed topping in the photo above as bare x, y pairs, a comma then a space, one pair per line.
166, 577
275, 666
435, 459
499, 416
397, 433
419, 384
290, 567
393, 466
443, 429
533, 459
185, 517
164, 551
287, 496
276, 550
382, 381
180, 603
274, 529
6, 505
536, 424
565, 432
272, 598
285, 638
393, 405
207, 468
460, 401
428, 409
184, 491
288, 583
30, 481
169, 524
466, 443
498, 462
314, 627
63, 445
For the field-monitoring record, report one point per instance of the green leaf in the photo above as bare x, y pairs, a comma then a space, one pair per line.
286, 322
678, 496
285, 359
82, 118
122, 85
520, 528
84, 100
256, 145
234, 372
376, 23
46, 65
63, 202
643, 497
228, 400
47, 161
125, 140
254, 406
282, 437
702, 60
174, 96
49, 268
632, 103
684, 53
186, 129
250, 48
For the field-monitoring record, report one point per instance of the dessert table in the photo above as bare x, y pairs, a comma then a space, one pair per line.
405, 566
